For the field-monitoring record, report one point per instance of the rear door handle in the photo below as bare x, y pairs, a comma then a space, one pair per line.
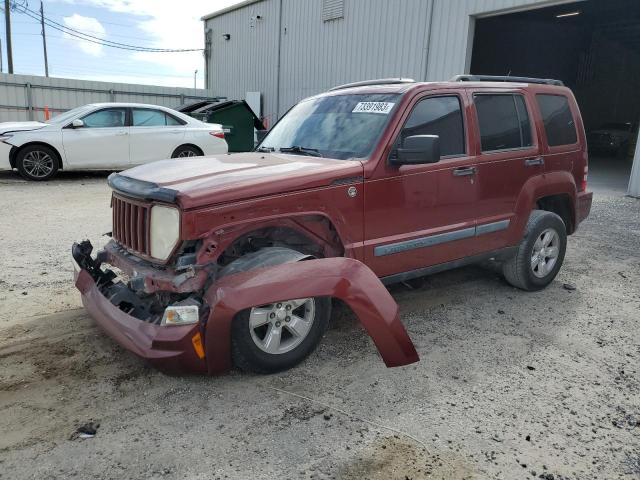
531, 162
461, 172
119, 134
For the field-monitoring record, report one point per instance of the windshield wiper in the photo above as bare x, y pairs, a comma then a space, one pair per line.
265, 149
312, 152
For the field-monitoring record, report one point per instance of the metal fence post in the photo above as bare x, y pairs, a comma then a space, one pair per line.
29, 101
182, 99
112, 96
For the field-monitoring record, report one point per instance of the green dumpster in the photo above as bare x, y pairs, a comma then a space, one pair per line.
237, 120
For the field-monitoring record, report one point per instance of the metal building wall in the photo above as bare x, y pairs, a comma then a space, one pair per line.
248, 60
23, 97
374, 39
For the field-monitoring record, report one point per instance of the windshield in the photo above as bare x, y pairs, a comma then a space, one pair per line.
337, 126
69, 115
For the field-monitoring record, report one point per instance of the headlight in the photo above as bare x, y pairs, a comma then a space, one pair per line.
180, 315
5, 137
165, 231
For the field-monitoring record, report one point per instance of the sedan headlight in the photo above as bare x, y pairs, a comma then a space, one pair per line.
165, 231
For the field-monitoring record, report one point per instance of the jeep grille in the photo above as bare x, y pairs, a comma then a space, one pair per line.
131, 224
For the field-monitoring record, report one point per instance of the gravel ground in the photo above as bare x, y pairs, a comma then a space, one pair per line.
510, 384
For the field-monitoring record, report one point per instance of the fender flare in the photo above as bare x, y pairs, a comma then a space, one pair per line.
344, 278
543, 185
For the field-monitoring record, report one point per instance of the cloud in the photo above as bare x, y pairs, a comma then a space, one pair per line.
167, 24
85, 24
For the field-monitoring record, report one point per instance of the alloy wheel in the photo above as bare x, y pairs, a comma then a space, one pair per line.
281, 327
38, 164
546, 250
187, 153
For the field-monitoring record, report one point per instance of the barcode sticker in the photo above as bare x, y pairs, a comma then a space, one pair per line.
373, 107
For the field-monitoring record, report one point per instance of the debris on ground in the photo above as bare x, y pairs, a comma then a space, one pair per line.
569, 286
87, 430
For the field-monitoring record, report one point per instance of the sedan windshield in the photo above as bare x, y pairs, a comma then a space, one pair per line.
336, 126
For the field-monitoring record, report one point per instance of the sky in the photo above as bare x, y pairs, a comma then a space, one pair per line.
148, 23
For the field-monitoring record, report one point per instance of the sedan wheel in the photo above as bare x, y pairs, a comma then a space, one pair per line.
185, 151
37, 162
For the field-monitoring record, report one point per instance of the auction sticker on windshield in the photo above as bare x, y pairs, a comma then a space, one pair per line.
373, 107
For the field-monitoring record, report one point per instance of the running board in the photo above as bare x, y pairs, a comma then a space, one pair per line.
501, 254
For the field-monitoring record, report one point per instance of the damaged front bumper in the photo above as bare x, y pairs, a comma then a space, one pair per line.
206, 346
169, 348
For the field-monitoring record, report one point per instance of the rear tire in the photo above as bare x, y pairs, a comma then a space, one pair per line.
37, 162
540, 253
187, 151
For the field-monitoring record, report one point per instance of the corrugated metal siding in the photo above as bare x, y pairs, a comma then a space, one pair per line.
248, 61
374, 39
452, 36
332, 9
61, 94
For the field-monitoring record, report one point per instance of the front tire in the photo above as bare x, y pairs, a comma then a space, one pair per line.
37, 162
540, 253
276, 337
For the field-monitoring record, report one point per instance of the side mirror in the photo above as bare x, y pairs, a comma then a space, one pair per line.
261, 134
77, 123
418, 149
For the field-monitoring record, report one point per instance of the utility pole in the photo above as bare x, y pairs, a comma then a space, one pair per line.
7, 21
44, 41
195, 76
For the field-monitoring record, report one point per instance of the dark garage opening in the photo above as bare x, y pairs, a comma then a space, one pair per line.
594, 48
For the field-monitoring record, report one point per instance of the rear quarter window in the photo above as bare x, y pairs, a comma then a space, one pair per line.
503, 120
557, 119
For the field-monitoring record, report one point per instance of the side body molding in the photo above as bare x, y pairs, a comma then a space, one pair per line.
343, 278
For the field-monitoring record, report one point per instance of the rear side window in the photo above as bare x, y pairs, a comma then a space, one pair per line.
145, 117
557, 119
504, 121
440, 116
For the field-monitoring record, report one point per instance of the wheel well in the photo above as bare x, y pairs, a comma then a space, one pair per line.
13, 153
283, 236
188, 145
561, 206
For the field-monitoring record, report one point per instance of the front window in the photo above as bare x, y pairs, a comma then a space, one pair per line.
336, 126
107, 118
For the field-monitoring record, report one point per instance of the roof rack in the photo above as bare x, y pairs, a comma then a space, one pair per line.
380, 81
492, 78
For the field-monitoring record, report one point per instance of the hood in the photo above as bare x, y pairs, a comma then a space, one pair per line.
198, 181
7, 127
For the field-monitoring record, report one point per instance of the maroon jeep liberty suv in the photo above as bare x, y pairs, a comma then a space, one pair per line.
234, 259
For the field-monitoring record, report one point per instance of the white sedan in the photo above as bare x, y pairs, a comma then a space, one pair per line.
105, 136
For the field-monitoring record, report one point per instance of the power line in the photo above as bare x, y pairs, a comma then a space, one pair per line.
97, 40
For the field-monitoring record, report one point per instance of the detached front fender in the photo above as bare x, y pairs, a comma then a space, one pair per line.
347, 279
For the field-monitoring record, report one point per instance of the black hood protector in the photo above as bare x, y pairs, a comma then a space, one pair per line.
141, 189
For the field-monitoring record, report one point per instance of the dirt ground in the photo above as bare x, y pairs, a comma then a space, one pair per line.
510, 384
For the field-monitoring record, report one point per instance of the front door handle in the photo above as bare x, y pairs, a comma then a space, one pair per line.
461, 172
532, 162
